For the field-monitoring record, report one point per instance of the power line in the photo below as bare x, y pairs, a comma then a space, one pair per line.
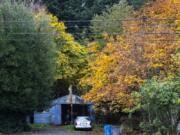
133, 19
95, 33
66, 42
109, 26
138, 19
31, 33
130, 25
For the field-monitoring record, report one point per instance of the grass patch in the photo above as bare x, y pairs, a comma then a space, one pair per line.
100, 126
68, 127
39, 126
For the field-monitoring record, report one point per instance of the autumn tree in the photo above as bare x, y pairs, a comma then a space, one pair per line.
147, 49
70, 60
112, 76
157, 36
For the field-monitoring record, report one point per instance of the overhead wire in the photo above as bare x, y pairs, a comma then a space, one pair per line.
133, 19
110, 33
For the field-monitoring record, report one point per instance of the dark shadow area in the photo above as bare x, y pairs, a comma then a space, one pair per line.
78, 110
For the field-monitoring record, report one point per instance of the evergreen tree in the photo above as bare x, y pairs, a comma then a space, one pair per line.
79, 11
112, 19
26, 66
82, 11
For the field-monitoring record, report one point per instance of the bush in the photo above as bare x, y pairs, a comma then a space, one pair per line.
160, 107
13, 122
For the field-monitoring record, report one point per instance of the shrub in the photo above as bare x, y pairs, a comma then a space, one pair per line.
160, 106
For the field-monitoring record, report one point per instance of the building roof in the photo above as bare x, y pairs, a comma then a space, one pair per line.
68, 100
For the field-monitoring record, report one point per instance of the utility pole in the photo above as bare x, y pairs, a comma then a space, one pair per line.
71, 102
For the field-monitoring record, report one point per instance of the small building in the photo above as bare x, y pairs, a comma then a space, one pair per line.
64, 110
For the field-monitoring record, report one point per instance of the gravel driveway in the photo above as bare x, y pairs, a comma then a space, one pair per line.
60, 131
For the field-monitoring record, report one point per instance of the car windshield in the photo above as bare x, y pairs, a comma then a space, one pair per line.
83, 118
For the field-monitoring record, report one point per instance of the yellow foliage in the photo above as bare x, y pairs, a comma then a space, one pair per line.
71, 56
109, 76
60, 30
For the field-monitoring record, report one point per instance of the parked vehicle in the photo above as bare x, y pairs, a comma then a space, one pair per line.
83, 122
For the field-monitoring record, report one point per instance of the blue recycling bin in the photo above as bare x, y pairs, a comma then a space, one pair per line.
107, 129
115, 130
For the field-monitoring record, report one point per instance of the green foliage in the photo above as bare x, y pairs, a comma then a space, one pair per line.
39, 126
78, 10
68, 128
83, 10
160, 105
26, 61
137, 3
12, 122
70, 62
112, 19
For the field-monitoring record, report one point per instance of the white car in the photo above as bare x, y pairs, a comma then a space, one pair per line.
83, 122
